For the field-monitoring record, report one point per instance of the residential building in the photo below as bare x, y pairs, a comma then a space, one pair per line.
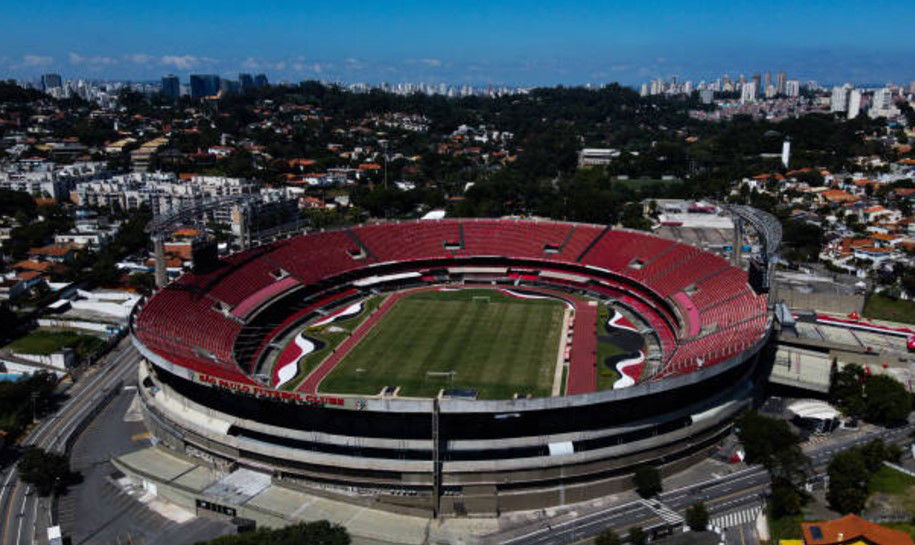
748, 92
838, 102
851, 529
793, 88
854, 103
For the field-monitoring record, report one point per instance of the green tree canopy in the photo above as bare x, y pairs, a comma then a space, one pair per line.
320, 532
647, 481
697, 517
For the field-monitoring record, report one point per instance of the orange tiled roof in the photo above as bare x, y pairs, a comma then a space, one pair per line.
851, 528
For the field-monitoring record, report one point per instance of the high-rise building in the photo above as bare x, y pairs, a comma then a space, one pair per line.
793, 88
882, 104
854, 103
839, 100
707, 96
51, 81
757, 80
912, 87
171, 87
245, 81
260, 81
204, 85
748, 92
786, 152
780, 82
644, 90
768, 80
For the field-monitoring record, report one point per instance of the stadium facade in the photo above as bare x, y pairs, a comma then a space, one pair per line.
206, 389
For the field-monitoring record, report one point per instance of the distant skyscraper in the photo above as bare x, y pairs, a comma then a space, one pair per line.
644, 90
707, 96
839, 100
171, 87
245, 81
786, 152
768, 80
780, 82
204, 85
748, 92
51, 81
793, 88
854, 103
912, 87
260, 81
757, 80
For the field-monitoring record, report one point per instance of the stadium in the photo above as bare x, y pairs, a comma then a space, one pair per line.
456, 367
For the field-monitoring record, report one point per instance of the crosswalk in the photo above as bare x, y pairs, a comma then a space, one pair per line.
736, 518
667, 514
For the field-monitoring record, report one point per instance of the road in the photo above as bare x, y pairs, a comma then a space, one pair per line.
731, 500
24, 516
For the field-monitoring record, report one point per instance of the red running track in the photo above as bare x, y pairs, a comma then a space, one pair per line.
582, 378
311, 382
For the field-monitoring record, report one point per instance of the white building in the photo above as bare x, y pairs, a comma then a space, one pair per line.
793, 88
839, 100
854, 103
748, 92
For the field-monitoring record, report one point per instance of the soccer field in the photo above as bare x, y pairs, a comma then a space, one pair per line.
493, 342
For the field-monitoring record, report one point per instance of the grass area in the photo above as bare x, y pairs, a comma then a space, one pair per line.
605, 376
332, 334
884, 308
889, 481
906, 527
44, 342
785, 528
499, 346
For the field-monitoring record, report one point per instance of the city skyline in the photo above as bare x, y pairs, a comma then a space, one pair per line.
513, 44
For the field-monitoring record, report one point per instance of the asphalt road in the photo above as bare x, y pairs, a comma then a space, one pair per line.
734, 493
24, 516
97, 511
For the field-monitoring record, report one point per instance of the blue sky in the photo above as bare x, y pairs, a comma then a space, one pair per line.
512, 42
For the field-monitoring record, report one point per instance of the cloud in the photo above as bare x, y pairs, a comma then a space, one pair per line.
94, 61
431, 62
37, 60
183, 62
140, 58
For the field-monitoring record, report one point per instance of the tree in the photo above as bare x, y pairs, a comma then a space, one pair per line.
772, 443
848, 480
647, 481
637, 536
886, 400
786, 499
879, 399
46, 471
846, 390
607, 537
320, 532
697, 517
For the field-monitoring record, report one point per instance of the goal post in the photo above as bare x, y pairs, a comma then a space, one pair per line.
443, 376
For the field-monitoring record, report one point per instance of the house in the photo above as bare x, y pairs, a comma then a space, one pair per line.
54, 253
852, 529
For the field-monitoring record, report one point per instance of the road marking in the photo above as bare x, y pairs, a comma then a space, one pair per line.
140, 436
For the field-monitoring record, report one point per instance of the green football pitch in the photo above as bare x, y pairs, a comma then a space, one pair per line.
471, 338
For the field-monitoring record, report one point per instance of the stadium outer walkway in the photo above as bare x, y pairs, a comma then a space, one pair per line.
582, 377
